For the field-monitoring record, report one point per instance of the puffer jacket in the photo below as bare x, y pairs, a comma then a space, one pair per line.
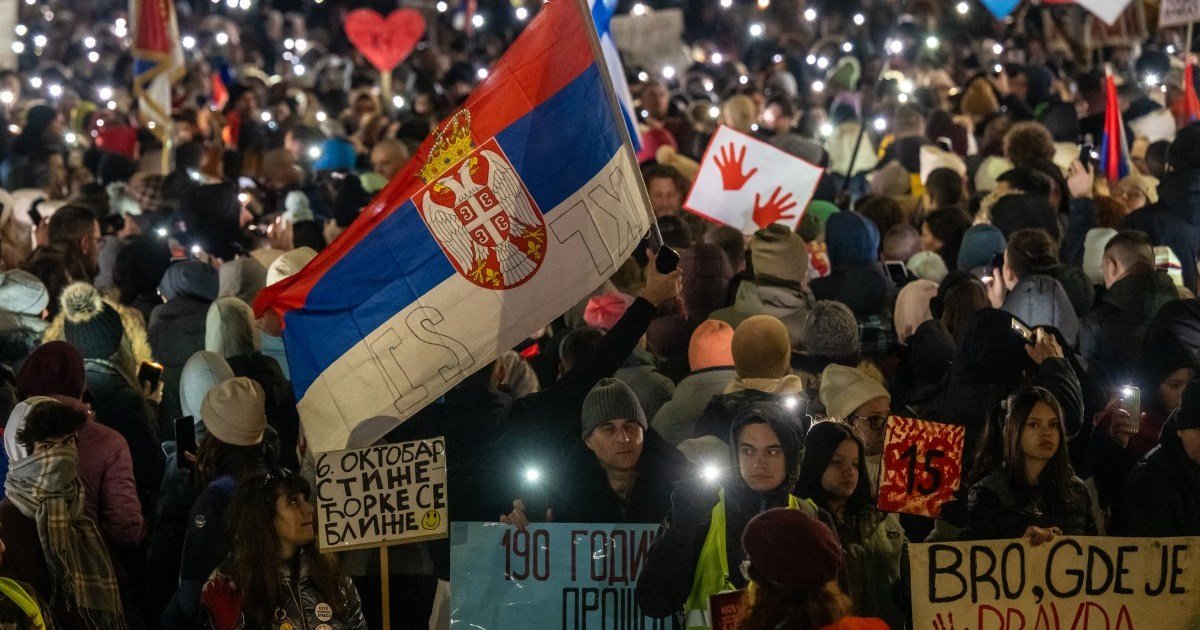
998, 509
300, 603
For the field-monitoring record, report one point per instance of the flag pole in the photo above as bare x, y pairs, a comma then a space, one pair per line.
615, 107
1187, 46
166, 148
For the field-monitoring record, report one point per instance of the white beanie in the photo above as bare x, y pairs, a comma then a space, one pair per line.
289, 264
844, 389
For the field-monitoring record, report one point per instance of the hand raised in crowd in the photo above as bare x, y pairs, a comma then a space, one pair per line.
996, 291
154, 394
1044, 347
517, 517
1121, 426
1080, 180
660, 288
1041, 535
280, 234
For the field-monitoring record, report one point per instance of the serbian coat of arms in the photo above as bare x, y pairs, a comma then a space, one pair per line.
480, 212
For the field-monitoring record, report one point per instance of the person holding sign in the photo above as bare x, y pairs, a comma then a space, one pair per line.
696, 554
792, 562
834, 477
275, 577
1163, 494
1034, 493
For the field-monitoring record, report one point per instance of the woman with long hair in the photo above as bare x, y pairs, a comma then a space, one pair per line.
792, 562
834, 476
275, 576
1032, 492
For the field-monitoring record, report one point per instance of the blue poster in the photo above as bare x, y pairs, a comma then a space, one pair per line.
552, 575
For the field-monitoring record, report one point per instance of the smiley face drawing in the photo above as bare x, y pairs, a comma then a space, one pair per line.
431, 520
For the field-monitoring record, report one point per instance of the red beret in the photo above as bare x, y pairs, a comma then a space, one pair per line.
792, 549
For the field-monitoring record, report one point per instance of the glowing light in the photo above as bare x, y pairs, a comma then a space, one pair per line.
859, 19
301, 45
777, 59
21, 30
162, 232
754, 127
756, 30
903, 98
482, 73
811, 59
244, 197
93, 56
522, 13
532, 475
442, 7
1171, 50
717, 58
963, 8
743, 79
31, 2
55, 90
791, 402
822, 62
265, 116
104, 92
1152, 80
111, 105
322, 116
39, 40
222, 38
906, 86
847, 47
818, 86
643, 76
314, 152
997, 49
826, 129
638, 9
810, 14
14, 129
196, 250
668, 72
710, 473
35, 82
7, 97
725, 4
880, 124
998, 68
895, 47
18, 47
88, 42
932, 42
299, 70
708, 85
477, 21
714, 111
244, 5
397, 102
764, 4
289, 43
189, 42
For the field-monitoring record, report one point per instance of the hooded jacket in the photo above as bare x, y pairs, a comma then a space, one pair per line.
588, 498
1112, 333
1040, 300
652, 389
1162, 497
666, 578
790, 305
856, 277
676, 420
176, 329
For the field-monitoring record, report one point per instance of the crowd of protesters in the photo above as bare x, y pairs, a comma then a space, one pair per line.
963, 260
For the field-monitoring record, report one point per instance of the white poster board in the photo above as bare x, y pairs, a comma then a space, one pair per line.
1178, 12
652, 40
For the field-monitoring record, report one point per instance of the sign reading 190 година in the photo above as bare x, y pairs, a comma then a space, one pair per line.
382, 495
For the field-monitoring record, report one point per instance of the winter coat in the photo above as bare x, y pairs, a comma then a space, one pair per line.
1168, 222
176, 332
585, 496
924, 363
280, 404
873, 545
998, 509
667, 576
14, 617
717, 417
110, 495
1024, 210
863, 286
176, 496
120, 407
1040, 300
299, 601
205, 547
652, 389
1112, 333
1162, 497
676, 420
24, 560
20, 334
789, 305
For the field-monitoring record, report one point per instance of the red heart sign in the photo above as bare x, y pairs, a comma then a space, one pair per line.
385, 43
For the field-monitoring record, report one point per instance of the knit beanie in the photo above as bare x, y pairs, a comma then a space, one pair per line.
812, 224
610, 399
91, 325
928, 266
791, 549
711, 345
980, 243
297, 207
844, 389
761, 348
778, 254
289, 264
851, 238
191, 279
604, 311
22, 292
234, 411
54, 369
830, 330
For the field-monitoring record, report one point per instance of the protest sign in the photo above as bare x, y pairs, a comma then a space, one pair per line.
382, 495
1070, 583
724, 608
551, 575
650, 40
922, 466
748, 184
1107, 10
1178, 12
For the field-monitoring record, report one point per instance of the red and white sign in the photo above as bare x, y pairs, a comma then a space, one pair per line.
922, 466
749, 184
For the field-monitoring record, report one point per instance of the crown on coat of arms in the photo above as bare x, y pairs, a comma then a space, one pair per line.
451, 144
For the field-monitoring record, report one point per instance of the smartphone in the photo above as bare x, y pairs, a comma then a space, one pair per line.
997, 262
1130, 399
1026, 332
667, 261
185, 440
1085, 153
35, 217
897, 272
149, 372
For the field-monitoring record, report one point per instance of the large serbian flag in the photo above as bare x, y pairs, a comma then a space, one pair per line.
521, 203
157, 60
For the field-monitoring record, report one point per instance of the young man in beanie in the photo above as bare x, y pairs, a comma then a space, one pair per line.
626, 477
697, 552
779, 259
862, 402
1162, 497
762, 353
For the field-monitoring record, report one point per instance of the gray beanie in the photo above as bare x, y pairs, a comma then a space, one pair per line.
610, 399
22, 292
831, 330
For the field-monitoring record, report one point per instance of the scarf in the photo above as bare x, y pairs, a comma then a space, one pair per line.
43, 487
790, 384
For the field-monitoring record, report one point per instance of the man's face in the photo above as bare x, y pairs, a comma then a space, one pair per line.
664, 196
656, 100
89, 246
761, 460
387, 161
617, 444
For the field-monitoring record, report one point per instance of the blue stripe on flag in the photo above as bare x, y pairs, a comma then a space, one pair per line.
557, 148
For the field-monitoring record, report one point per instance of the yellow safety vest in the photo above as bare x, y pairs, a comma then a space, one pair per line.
24, 601
712, 568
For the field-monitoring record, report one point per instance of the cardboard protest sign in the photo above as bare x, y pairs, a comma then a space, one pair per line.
724, 608
1178, 12
748, 184
922, 466
1070, 583
651, 40
552, 575
382, 495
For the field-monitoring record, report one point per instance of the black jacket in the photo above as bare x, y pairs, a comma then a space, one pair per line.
1162, 497
667, 575
175, 333
119, 407
280, 404
863, 286
1175, 220
717, 418
999, 509
1111, 335
586, 497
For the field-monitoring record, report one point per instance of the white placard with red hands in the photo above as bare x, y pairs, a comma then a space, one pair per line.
749, 184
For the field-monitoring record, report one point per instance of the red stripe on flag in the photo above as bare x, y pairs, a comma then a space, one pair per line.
550, 53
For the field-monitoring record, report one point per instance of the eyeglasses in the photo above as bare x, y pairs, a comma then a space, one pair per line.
877, 423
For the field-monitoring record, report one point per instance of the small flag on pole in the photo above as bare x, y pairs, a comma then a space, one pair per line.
1114, 151
1191, 103
157, 60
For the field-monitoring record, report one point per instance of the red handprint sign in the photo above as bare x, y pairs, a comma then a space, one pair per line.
922, 466
774, 209
730, 162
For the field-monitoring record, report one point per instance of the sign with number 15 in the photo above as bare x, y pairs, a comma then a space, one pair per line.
922, 466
